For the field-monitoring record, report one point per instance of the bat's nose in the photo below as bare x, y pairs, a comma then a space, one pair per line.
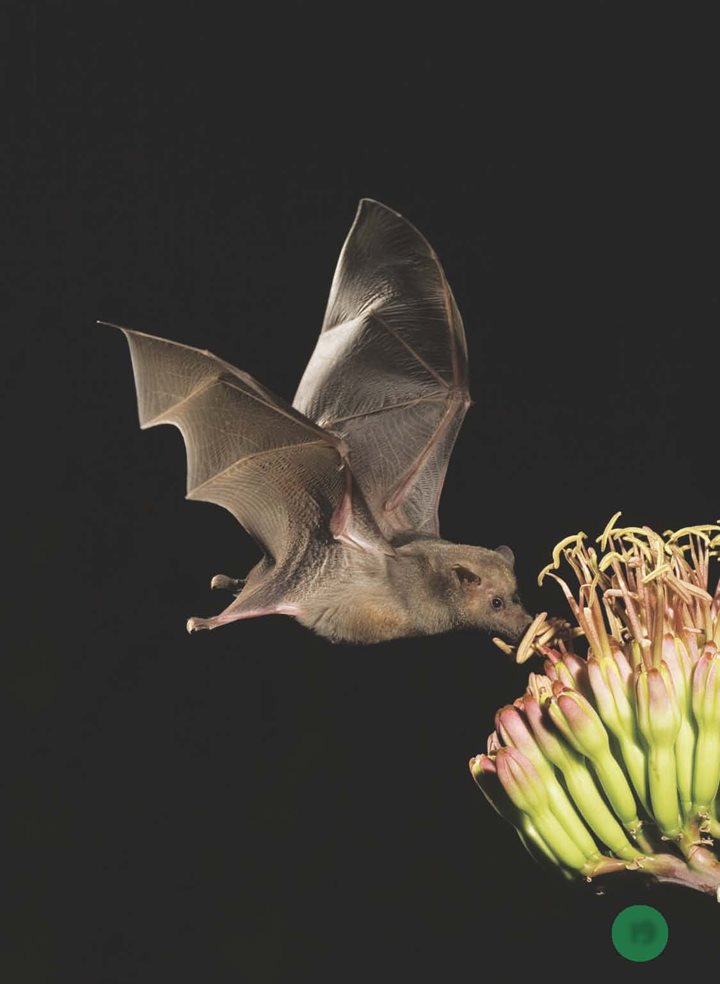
520, 625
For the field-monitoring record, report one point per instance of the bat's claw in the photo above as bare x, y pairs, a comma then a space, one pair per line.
224, 583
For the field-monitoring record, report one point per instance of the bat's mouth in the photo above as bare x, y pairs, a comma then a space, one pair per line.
508, 637
514, 633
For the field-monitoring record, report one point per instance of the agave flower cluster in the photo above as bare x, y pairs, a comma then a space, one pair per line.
611, 759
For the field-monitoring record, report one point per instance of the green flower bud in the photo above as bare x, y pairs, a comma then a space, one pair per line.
706, 688
579, 781
578, 721
515, 732
706, 709
680, 667
526, 790
659, 723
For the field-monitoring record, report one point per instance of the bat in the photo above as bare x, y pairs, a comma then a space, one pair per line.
341, 488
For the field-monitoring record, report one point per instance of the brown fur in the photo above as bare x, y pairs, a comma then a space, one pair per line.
428, 586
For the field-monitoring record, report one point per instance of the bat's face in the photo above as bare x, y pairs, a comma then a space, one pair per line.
484, 592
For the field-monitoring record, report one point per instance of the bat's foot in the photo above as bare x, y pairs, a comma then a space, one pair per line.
224, 583
195, 624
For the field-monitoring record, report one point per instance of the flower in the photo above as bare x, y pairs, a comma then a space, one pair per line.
619, 745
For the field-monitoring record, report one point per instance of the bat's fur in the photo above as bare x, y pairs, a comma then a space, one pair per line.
341, 488
428, 586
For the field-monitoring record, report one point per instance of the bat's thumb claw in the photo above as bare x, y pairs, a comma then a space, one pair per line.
193, 624
224, 583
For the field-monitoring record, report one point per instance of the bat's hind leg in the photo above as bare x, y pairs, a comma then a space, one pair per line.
242, 608
194, 624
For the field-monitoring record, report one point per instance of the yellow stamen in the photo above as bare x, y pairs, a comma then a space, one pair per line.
664, 568
603, 538
564, 543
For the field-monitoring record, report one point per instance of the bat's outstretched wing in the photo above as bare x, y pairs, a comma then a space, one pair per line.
284, 479
389, 372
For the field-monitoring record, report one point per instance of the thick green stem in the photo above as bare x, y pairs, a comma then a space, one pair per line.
666, 868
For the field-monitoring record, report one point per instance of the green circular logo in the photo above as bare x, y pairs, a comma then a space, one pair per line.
639, 933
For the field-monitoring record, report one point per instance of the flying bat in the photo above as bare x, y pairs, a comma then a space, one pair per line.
341, 488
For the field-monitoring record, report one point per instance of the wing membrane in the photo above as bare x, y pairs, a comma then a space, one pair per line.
389, 371
280, 475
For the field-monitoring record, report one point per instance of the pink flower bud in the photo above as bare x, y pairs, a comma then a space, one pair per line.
625, 673
677, 660
579, 722
539, 686
521, 781
568, 669
544, 735
493, 743
706, 688
690, 641
481, 765
483, 771
610, 694
658, 714
513, 729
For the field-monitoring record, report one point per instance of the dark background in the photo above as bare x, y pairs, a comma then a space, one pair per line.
256, 804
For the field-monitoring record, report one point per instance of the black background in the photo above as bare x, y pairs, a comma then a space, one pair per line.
256, 804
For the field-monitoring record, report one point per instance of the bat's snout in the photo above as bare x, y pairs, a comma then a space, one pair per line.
516, 625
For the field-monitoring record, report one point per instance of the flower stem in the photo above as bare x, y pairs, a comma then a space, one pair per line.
666, 868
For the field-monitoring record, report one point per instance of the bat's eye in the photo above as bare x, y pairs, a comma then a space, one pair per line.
497, 603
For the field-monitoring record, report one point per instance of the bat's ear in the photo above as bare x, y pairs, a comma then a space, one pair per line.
465, 574
507, 555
